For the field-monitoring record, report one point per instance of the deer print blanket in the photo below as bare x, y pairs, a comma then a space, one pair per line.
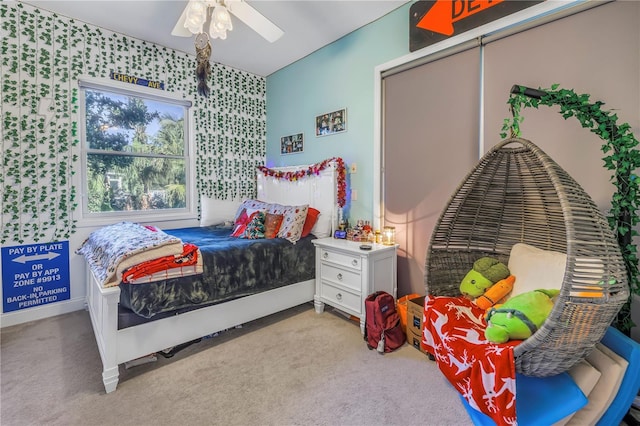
483, 372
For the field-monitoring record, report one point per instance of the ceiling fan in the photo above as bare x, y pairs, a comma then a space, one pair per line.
195, 15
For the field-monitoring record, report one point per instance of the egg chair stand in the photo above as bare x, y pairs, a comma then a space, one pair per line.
518, 194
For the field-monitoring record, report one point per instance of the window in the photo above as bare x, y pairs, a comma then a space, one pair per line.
135, 152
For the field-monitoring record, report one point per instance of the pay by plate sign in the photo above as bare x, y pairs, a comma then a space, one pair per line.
35, 274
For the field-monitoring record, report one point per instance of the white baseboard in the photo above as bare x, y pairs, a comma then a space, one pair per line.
41, 312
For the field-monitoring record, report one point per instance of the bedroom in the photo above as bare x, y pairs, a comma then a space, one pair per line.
346, 69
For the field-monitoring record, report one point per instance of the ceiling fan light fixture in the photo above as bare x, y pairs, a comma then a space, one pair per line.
221, 18
220, 22
193, 28
196, 16
217, 33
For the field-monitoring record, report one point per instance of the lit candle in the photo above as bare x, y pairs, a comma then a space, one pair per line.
389, 235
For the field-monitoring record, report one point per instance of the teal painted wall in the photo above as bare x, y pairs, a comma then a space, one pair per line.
340, 75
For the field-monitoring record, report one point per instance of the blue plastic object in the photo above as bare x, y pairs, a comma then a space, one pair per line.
630, 350
544, 401
540, 401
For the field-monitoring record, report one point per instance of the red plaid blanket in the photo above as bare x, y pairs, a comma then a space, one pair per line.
483, 372
189, 257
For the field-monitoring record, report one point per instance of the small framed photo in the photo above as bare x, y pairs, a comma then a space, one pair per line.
292, 144
331, 123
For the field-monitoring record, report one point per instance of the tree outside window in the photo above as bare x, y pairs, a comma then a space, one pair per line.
136, 153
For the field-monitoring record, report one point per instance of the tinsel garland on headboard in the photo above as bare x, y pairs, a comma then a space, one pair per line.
315, 169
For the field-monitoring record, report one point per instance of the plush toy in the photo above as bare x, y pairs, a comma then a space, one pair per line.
496, 293
520, 316
486, 272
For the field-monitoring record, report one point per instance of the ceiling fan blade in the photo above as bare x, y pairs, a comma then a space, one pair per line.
254, 19
180, 30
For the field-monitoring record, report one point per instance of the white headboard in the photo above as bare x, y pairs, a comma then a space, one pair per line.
318, 191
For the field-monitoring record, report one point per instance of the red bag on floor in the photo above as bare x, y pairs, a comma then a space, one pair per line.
383, 329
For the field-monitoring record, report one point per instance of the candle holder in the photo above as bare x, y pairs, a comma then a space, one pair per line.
389, 235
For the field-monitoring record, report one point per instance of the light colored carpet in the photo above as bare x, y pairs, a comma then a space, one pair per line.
292, 368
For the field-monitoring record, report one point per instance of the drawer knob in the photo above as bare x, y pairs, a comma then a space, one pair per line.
325, 255
354, 262
339, 296
339, 277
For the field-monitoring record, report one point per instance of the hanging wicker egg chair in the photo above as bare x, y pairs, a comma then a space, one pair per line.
518, 194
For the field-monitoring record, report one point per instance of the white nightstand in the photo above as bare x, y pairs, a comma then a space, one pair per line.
346, 274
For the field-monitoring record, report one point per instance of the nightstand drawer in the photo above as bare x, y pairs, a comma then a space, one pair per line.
339, 297
346, 274
347, 260
341, 276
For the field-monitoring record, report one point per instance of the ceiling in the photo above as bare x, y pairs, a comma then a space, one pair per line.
308, 25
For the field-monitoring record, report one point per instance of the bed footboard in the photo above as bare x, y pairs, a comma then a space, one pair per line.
118, 346
103, 310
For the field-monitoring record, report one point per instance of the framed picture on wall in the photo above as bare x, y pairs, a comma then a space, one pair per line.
292, 144
331, 123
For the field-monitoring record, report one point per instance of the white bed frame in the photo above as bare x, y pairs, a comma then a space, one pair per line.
119, 346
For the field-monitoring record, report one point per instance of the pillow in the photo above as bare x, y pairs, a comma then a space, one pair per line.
586, 377
252, 205
620, 361
255, 228
322, 228
310, 221
272, 224
612, 368
535, 268
240, 224
292, 221
216, 212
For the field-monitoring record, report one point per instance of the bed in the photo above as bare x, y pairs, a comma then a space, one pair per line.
314, 185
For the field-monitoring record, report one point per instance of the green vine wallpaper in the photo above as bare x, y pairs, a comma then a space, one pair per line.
42, 57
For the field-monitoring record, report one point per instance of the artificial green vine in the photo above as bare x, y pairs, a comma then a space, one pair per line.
42, 56
621, 156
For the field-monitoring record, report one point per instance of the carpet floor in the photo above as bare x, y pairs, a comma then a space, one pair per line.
291, 368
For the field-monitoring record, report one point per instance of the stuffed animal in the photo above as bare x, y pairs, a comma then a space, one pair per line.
486, 272
520, 316
496, 293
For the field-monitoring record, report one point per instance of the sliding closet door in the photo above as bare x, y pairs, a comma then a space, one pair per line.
595, 52
430, 139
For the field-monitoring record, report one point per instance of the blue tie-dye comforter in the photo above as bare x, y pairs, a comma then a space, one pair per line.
233, 268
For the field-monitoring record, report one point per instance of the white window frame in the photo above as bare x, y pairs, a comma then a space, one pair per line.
86, 218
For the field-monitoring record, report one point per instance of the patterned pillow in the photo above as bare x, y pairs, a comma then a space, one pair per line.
272, 224
241, 223
252, 205
292, 222
255, 227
